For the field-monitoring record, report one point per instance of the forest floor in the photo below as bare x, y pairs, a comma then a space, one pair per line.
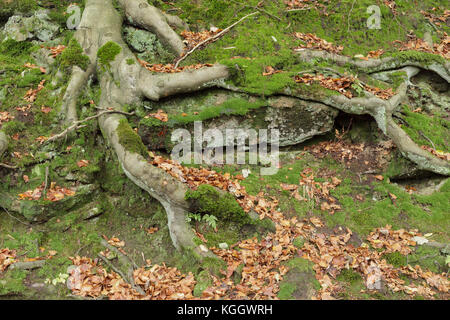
351, 217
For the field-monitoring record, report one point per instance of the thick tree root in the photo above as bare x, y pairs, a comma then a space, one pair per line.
381, 110
376, 65
124, 83
141, 14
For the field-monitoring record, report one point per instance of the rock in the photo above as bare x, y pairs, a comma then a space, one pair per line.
145, 43
223, 245
37, 26
420, 240
297, 120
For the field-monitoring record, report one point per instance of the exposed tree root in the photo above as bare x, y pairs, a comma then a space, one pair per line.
141, 14
376, 65
381, 109
123, 83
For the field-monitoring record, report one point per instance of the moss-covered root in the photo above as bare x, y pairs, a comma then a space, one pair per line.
3, 143
410, 150
421, 60
148, 17
84, 38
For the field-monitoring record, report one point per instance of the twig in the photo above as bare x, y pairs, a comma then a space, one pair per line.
44, 193
77, 124
213, 38
428, 139
348, 16
22, 222
7, 166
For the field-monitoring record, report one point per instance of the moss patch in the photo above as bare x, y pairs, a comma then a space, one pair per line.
129, 139
108, 52
73, 55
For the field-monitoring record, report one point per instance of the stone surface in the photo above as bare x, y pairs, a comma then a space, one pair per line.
297, 120
38, 26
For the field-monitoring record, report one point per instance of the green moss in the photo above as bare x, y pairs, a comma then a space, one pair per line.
286, 290
349, 275
130, 62
435, 127
73, 55
204, 280
423, 57
15, 48
13, 282
129, 139
396, 259
108, 52
13, 127
208, 200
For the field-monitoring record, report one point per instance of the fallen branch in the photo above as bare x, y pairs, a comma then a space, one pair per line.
29, 265
213, 38
7, 166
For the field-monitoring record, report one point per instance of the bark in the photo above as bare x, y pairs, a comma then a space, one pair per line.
143, 15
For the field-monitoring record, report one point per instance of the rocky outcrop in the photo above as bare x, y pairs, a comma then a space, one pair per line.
38, 26
297, 120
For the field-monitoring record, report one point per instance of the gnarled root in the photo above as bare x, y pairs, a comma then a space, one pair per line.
125, 83
143, 15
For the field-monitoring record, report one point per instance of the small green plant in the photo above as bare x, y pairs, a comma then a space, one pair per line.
210, 220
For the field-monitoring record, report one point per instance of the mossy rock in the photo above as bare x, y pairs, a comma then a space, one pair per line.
209, 200
40, 211
299, 283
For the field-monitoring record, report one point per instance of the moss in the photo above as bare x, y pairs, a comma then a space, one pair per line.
108, 52
13, 282
129, 139
422, 57
349, 275
13, 127
299, 242
130, 62
15, 48
208, 200
434, 126
204, 280
396, 259
73, 55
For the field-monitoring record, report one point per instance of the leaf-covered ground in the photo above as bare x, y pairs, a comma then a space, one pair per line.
344, 225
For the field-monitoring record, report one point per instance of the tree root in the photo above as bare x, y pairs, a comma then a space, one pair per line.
124, 83
381, 110
375, 65
143, 15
